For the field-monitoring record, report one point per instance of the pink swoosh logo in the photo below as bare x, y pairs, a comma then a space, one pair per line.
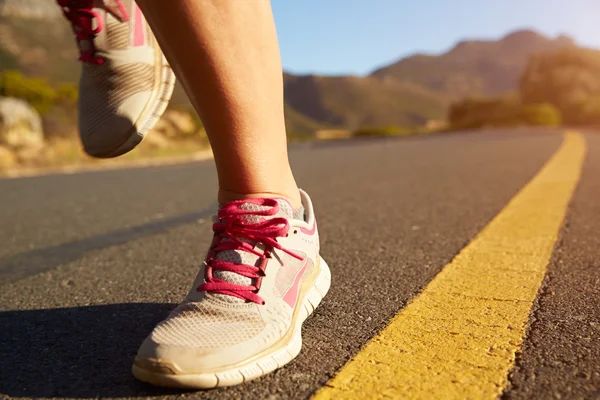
291, 296
138, 27
311, 231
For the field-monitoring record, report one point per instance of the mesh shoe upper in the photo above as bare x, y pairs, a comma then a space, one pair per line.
213, 328
198, 325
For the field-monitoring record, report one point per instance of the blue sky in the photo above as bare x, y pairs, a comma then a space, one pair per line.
355, 36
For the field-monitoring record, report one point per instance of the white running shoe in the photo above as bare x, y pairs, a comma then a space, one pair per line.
262, 278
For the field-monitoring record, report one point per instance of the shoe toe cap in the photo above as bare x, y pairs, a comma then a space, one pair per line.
107, 130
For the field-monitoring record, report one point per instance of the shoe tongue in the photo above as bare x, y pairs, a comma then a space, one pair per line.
244, 257
285, 211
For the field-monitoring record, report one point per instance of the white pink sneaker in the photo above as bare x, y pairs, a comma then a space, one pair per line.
262, 278
126, 82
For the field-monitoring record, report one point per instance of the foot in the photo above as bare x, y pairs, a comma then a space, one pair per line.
125, 83
262, 278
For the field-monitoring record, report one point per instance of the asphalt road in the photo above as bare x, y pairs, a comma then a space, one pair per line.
90, 262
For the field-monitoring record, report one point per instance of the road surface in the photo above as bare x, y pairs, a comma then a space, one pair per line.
90, 262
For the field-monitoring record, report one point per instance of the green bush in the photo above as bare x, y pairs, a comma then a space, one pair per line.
501, 112
378, 131
55, 105
540, 115
36, 91
478, 113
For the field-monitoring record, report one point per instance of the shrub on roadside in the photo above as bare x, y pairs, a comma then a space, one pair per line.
478, 113
379, 131
56, 105
540, 115
35, 91
501, 112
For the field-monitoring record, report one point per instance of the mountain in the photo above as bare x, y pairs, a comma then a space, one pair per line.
352, 102
474, 68
420, 87
36, 40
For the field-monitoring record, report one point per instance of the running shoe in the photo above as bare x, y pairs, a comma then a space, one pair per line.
125, 83
262, 277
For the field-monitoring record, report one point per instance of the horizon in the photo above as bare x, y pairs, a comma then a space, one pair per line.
354, 37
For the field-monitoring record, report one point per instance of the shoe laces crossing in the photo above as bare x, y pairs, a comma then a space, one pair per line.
234, 225
81, 14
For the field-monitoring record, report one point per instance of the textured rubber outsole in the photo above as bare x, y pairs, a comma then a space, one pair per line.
244, 372
154, 110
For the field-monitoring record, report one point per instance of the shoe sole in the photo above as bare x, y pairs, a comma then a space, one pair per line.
271, 359
151, 114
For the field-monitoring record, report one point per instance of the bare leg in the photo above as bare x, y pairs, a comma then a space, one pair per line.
225, 53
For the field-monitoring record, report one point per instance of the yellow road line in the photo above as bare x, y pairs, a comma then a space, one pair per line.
458, 338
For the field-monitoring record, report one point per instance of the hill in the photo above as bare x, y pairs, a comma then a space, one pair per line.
353, 102
474, 68
420, 87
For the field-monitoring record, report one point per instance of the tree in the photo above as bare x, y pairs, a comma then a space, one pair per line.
568, 79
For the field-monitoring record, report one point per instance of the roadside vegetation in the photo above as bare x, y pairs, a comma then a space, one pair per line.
46, 134
501, 112
556, 87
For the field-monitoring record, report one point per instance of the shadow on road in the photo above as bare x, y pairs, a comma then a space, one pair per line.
24, 264
83, 352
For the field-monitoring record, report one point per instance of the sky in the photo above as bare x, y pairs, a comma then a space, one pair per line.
339, 37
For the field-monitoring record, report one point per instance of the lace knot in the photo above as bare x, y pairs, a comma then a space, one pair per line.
241, 229
81, 15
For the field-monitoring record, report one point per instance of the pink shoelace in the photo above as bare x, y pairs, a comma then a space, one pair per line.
81, 14
232, 226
